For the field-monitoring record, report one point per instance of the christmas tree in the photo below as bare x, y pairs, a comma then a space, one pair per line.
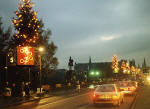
26, 24
123, 66
115, 64
128, 67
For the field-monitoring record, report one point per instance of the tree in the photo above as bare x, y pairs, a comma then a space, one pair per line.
26, 25
123, 66
115, 64
127, 68
31, 32
49, 61
4, 45
4, 38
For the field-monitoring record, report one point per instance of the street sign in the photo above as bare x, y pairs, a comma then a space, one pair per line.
25, 55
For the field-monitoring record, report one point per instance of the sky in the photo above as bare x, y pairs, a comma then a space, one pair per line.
96, 28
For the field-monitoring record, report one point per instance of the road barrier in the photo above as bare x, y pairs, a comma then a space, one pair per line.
38, 90
46, 88
58, 85
69, 84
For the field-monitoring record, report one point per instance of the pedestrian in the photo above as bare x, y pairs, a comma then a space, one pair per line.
27, 90
78, 88
18, 89
13, 90
22, 88
7, 90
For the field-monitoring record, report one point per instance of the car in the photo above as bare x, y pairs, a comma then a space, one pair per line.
135, 84
93, 87
126, 87
108, 93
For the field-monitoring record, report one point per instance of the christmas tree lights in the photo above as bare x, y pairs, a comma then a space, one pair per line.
115, 64
26, 24
123, 67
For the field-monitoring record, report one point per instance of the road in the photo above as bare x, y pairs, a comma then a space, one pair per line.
82, 101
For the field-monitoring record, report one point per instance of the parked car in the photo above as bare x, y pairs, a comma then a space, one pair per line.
108, 93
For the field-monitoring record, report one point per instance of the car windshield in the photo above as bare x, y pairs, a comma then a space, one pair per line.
103, 88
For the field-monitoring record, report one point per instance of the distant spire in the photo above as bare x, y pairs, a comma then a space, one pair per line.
144, 63
90, 60
138, 65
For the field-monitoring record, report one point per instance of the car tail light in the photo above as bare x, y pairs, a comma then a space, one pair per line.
95, 95
131, 88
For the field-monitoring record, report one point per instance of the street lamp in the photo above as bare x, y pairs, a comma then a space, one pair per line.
41, 49
6, 67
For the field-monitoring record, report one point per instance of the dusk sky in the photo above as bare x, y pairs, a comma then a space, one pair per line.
96, 28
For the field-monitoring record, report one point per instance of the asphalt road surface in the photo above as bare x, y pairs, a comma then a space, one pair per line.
82, 101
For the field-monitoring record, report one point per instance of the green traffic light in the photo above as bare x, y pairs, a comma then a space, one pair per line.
92, 73
97, 73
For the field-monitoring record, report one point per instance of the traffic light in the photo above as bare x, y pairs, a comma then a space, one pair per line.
92, 73
95, 73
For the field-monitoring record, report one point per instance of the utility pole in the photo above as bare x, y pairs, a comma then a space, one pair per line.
29, 74
40, 73
6, 67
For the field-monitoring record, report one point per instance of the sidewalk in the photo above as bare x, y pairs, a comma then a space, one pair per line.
9, 101
143, 98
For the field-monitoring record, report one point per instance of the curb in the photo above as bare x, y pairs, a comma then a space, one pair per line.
133, 103
35, 99
21, 102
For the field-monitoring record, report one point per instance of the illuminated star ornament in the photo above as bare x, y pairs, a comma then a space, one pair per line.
26, 24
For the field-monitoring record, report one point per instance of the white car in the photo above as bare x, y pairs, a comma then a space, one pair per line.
127, 87
108, 93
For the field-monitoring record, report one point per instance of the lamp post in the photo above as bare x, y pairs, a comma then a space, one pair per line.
6, 67
41, 49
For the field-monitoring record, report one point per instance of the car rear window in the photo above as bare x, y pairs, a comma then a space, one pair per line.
106, 88
125, 84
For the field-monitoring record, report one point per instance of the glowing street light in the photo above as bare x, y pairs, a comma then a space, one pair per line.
148, 78
41, 49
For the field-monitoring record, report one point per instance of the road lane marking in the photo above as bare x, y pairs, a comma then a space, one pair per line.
132, 106
62, 100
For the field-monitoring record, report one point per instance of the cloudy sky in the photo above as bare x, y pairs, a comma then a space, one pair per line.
96, 28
